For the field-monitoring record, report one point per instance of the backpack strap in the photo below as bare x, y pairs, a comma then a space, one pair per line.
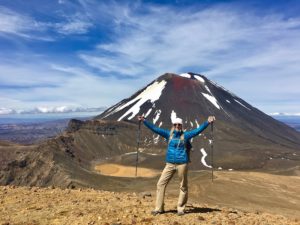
182, 136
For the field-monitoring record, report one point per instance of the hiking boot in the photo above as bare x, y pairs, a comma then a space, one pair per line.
180, 213
156, 212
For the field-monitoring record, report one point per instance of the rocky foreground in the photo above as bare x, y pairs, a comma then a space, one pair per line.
34, 205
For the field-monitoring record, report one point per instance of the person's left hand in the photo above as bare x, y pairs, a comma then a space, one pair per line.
211, 119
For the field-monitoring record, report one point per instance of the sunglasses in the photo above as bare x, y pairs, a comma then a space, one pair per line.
177, 124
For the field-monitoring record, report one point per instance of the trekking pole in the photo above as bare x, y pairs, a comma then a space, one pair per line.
212, 151
137, 150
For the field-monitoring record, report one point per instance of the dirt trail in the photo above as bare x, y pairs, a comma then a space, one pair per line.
115, 170
25, 205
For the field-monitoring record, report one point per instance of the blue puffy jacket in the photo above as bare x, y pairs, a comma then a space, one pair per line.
176, 152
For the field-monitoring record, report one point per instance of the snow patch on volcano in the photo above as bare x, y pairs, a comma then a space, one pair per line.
185, 75
212, 99
149, 111
199, 78
152, 93
204, 154
155, 139
208, 89
241, 104
158, 112
173, 115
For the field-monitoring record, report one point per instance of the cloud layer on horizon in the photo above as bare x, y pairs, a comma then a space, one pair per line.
49, 110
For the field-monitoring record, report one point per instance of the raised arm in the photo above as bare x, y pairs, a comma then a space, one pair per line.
162, 132
203, 126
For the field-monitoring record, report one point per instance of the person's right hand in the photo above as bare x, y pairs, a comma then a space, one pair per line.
141, 118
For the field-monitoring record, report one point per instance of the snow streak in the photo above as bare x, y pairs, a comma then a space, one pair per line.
158, 112
185, 75
212, 99
173, 115
152, 93
155, 139
204, 154
197, 123
241, 104
208, 89
149, 111
199, 78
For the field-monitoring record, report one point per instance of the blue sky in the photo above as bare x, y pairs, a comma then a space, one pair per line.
89, 53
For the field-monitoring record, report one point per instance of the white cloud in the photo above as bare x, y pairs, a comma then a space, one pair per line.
120, 65
13, 23
233, 48
29, 74
5, 111
52, 84
95, 90
74, 27
26, 26
74, 24
213, 37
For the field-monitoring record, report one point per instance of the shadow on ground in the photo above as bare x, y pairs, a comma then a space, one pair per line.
195, 210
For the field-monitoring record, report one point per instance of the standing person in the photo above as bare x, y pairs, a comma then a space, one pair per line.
176, 160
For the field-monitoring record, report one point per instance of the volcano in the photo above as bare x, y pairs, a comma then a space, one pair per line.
245, 137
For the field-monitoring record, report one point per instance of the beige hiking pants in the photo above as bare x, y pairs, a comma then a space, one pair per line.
163, 181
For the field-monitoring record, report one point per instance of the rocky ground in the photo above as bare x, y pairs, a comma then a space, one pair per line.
34, 205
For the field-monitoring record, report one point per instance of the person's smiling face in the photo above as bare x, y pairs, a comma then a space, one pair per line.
177, 126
